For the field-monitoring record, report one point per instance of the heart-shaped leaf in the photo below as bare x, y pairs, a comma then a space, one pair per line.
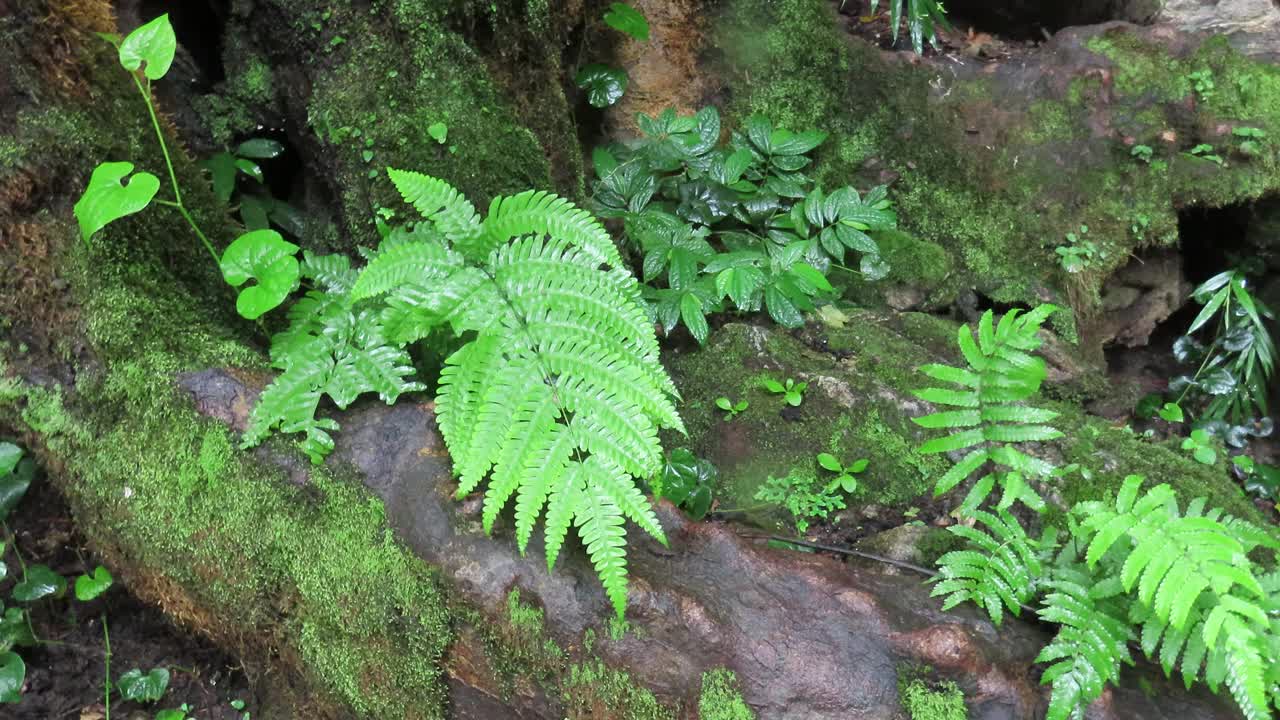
438, 132
604, 85
13, 673
89, 587
150, 687
106, 199
624, 18
14, 630
1171, 412
40, 582
153, 43
264, 256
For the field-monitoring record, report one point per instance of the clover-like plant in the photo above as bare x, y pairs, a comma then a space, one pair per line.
791, 391
846, 475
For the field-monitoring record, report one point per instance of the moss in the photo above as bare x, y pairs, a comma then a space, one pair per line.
995, 177
925, 700
594, 691
720, 698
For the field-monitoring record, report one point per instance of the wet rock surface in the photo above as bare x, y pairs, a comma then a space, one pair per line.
808, 636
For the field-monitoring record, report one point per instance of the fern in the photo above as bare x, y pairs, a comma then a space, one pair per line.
991, 418
1179, 582
1088, 649
1193, 584
1001, 571
556, 397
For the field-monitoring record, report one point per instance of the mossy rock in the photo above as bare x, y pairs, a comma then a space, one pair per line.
860, 404
995, 163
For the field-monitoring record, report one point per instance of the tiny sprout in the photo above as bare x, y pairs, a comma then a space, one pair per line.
792, 391
730, 407
845, 479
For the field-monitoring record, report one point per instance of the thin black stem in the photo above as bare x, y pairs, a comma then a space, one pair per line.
106, 685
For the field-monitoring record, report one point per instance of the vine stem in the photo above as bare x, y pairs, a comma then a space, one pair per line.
106, 684
145, 91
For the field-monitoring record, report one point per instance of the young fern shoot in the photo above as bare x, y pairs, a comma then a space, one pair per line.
990, 416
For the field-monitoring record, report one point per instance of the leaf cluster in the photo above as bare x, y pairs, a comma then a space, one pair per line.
1235, 363
736, 225
803, 496
1177, 582
923, 18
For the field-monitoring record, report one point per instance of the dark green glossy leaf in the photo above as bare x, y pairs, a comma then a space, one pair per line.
691, 313
222, 170
39, 582
604, 85
144, 688
13, 673
259, 149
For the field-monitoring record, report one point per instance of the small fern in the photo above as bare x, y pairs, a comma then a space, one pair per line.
1179, 582
1090, 645
556, 395
991, 417
1001, 571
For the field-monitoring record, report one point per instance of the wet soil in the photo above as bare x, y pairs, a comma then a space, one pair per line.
65, 671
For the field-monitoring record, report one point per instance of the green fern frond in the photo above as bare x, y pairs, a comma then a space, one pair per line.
999, 573
1001, 376
558, 398
555, 396
1086, 653
536, 212
1195, 586
441, 203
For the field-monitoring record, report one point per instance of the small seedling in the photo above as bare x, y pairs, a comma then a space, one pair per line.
1251, 139
139, 687
1204, 151
238, 706
1171, 412
438, 132
792, 391
845, 479
1143, 153
1200, 444
1202, 82
1078, 253
178, 713
1140, 225
731, 408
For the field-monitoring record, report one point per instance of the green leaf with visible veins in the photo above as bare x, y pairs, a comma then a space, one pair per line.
265, 256
106, 199
604, 85
624, 18
138, 687
153, 43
